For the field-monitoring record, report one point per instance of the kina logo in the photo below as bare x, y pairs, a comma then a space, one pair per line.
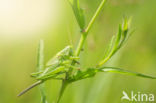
140, 97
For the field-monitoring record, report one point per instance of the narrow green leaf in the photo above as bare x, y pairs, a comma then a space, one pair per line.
118, 36
78, 12
43, 94
117, 43
125, 24
40, 57
125, 32
122, 71
40, 67
110, 47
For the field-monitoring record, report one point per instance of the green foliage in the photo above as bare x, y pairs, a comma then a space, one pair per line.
40, 67
78, 12
64, 65
117, 41
91, 72
122, 71
40, 57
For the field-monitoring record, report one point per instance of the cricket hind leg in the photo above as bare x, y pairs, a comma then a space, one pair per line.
30, 87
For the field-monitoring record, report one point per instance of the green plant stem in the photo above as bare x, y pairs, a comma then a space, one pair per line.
95, 16
80, 45
85, 31
43, 94
103, 61
63, 87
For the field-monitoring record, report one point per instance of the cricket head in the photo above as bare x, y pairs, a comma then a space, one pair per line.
64, 54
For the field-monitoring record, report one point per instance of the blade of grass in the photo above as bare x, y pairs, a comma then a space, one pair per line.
40, 56
40, 67
122, 71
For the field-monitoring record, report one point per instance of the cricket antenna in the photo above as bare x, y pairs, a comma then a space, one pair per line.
30, 87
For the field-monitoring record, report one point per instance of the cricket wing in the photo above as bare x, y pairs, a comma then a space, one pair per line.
53, 61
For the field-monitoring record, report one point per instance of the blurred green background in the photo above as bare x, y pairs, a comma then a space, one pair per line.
23, 23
